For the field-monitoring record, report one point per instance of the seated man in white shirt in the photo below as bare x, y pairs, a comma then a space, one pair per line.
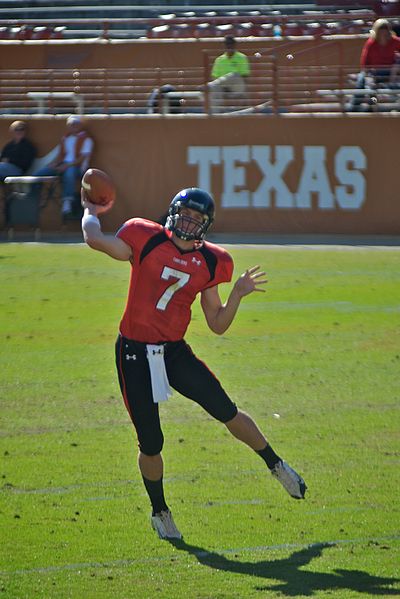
71, 162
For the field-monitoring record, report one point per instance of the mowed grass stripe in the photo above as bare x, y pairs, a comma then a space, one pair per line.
127, 563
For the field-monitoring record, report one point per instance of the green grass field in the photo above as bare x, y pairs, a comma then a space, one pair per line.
321, 349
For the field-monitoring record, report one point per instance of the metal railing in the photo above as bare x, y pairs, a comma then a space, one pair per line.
271, 88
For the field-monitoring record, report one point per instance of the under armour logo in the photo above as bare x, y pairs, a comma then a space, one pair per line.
198, 262
132, 357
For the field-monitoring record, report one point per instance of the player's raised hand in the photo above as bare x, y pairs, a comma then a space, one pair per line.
93, 208
250, 281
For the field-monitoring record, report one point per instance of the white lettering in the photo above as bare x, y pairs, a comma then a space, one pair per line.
349, 161
314, 179
179, 261
234, 177
204, 157
273, 173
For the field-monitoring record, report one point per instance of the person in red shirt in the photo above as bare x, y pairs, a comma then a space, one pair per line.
379, 57
170, 265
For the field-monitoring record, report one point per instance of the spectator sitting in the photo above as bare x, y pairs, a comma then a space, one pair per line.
229, 74
378, 59
71, 162
158, 96
16, 156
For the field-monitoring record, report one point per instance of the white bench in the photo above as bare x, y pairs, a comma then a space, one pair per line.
361, 91
394, 94
41, 98
22, 181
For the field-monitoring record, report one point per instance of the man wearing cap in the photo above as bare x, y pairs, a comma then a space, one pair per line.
71, 162
229, 73
18, 154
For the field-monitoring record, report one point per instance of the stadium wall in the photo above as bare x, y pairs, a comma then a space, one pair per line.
168, 53
268, 174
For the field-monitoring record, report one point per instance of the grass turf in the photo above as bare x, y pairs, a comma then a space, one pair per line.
321, 349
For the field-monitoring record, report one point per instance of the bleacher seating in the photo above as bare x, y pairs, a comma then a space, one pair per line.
49, 19
271, 89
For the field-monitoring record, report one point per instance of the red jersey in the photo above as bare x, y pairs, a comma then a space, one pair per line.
376, 55
165, 281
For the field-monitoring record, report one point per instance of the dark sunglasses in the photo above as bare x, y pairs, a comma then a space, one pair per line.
20, 129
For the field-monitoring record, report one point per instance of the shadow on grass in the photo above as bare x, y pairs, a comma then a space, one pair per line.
295, 582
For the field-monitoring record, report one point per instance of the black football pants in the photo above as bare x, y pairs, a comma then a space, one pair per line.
186, 373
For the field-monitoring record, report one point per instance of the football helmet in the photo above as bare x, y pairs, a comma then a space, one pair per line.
184, 226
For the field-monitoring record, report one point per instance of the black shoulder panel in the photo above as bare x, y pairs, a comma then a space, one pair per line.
152, 243
211, 260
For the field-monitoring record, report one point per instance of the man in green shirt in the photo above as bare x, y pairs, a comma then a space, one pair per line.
229, 74
231, 61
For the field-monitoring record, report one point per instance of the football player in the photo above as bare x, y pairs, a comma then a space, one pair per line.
170, 265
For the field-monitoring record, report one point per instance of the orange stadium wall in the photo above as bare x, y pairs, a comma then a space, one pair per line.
268, 174
167, 53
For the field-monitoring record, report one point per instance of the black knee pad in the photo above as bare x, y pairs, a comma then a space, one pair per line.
152, 444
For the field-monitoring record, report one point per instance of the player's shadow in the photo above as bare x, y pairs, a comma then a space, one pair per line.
295, 581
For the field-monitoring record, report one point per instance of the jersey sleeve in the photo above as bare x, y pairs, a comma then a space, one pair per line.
136, 232
223, 268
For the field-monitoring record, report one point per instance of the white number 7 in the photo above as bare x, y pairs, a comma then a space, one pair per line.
166, 274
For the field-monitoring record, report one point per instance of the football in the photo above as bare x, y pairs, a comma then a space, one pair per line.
99, 187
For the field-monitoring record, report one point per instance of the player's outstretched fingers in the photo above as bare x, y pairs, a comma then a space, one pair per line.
258, 280
253, 269
256, 275
262, 282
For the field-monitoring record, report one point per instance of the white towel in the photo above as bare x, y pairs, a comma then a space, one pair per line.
159, 379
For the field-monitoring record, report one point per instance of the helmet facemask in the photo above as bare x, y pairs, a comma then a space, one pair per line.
186, 227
